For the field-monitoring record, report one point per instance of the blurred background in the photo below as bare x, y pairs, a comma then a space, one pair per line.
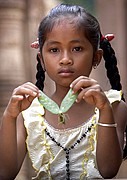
19, 21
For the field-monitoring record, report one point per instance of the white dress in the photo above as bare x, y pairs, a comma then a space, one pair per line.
62, 154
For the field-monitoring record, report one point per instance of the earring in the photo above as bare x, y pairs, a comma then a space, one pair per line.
95, 66
43, 68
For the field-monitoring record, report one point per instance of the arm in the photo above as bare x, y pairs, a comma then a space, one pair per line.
12, 149
109, 139
12, 131
120, 114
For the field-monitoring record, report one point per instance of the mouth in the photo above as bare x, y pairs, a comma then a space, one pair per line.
65, 72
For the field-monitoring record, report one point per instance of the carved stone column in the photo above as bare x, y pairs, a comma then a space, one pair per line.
12, 70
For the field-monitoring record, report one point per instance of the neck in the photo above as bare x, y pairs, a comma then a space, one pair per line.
59, 94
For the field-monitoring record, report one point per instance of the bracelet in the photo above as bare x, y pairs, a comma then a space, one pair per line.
107, 125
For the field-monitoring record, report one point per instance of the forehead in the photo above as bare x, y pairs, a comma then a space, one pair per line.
66, 27
66, 34
70, 20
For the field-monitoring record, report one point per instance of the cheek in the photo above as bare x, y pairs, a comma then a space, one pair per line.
85, 65
85, 70
48, 63
50, 68
45, 61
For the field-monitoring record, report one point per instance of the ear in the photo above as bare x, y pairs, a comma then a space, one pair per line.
97, 57
40, 56
41, 60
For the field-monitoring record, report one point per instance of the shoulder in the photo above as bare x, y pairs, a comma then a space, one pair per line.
119, 110
34, 108
33, 115
118, 105
113, 95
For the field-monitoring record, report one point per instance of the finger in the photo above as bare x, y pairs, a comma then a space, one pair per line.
16, 98
82, 83
30, 99
76, 80
85, 92
24, 91
30, 85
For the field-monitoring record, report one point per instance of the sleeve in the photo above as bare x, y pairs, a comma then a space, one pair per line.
113, 95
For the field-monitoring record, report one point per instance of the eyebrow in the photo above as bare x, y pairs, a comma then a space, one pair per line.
77, 41
50, 42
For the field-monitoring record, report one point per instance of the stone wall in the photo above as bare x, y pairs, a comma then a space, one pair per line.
12, 70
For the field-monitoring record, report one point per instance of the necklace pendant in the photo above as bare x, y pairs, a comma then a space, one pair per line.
62, 118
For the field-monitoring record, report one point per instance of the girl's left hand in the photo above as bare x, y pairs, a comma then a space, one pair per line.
90, 91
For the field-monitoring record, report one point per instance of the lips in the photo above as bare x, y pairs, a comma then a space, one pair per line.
65, 72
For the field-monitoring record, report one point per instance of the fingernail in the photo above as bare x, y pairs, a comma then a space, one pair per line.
73, 92
34, 93
76, 101
70, 85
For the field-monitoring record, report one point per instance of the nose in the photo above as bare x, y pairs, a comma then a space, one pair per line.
66, 59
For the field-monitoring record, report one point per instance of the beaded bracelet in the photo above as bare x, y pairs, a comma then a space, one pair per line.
107, 125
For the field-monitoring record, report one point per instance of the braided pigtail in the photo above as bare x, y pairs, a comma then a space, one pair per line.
112, 72
40, 76
111, 64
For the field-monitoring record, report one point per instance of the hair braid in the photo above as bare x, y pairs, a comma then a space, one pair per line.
40, 76
112, 72
111, 64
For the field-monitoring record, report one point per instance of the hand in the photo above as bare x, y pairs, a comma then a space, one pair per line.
90, 91
21, 99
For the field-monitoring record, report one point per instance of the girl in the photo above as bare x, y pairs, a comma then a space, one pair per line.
89, 143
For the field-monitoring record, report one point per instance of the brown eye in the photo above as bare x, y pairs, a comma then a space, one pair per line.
54, 50
77, 49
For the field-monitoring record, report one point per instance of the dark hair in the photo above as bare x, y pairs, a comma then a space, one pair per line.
91, 28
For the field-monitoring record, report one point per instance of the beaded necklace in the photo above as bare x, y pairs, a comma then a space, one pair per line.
66, 104
68, 150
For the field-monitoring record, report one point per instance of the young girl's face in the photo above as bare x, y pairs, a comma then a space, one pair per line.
67, 53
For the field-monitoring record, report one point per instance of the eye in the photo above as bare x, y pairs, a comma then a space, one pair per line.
54, 50
77, 49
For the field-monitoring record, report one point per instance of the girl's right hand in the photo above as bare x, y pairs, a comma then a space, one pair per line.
21, 99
